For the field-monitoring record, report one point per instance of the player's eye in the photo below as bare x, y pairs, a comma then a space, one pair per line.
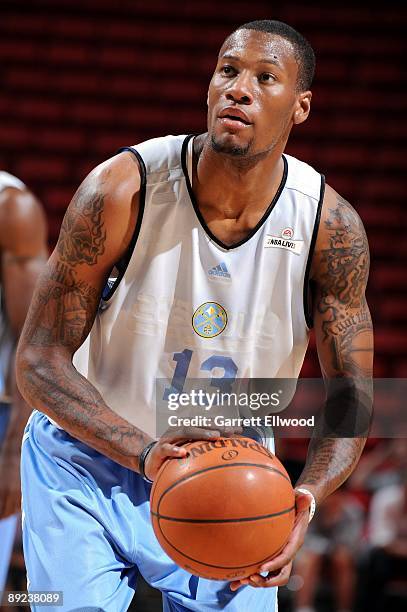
227, 70
266, 77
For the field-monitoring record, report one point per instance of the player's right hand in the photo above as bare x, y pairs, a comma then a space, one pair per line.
169, 445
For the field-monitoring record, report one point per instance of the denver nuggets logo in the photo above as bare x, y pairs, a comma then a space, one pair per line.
209, 320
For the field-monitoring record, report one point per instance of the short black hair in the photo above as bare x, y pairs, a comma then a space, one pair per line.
303, 52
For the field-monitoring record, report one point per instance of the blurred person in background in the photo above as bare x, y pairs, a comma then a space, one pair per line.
383, 564
382, 466
23, 252
330, 546
383, 575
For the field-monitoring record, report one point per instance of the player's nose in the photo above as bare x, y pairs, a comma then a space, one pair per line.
240, 89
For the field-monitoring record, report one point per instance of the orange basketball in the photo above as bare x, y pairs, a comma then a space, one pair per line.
224, 509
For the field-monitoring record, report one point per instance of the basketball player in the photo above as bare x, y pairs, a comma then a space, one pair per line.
22, 255
167, 215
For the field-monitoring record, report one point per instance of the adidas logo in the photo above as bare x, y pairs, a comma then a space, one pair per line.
220, 271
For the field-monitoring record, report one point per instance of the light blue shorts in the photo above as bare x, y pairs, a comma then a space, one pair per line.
87, 532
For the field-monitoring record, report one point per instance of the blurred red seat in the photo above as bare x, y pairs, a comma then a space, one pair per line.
30, 168
391, 341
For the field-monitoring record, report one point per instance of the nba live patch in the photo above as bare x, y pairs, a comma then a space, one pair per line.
285, 241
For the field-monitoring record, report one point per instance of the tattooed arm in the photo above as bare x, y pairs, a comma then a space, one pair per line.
95, 234
344, 338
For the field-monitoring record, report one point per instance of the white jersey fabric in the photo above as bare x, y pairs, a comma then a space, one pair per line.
188, 305
6, 337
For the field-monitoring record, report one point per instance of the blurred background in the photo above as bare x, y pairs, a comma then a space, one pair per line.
81, 78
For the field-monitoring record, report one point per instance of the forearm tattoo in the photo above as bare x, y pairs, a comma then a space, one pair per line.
79, 407
346, 342
329, 463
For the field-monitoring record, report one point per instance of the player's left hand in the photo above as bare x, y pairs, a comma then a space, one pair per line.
279, 568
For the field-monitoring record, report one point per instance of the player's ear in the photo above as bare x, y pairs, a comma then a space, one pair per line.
302, 107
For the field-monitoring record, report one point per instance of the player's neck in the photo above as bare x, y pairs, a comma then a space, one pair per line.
223, 181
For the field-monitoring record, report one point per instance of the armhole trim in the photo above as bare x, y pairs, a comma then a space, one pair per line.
308, 315
123, 263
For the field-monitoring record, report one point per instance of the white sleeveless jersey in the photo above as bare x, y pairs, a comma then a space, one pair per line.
6, 338
187, 305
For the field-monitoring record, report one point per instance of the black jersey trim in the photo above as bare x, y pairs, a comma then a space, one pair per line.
198, 212
306, 290
123, 263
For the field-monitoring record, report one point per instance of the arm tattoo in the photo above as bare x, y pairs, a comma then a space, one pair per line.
60, 318
329, 463
83, 235
346, 322
74, 401
347, 259
62, 310
346, 345
64, 306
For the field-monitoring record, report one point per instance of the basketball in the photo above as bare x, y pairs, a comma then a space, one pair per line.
224, 509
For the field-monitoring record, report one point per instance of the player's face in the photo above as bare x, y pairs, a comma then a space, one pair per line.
253, 99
